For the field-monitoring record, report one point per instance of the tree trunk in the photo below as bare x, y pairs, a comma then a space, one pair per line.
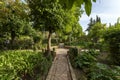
12, 38
49, 42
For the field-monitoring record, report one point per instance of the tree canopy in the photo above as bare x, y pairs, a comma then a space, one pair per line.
13, 18
53, 15
95, 29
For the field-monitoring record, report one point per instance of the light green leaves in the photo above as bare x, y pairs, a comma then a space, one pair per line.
87, 3
15, 65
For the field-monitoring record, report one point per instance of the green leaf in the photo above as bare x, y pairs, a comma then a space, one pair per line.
88, 6
94, 0
71, 2
79, 3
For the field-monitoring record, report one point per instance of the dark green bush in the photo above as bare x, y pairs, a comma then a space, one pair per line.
26, 43
102, 72
73, 53
2, 43
36, 38
112, 37
86, 59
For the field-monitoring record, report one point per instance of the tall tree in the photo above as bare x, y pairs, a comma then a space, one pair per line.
13, 17
47, 15
96, 32
93, 22
72, 29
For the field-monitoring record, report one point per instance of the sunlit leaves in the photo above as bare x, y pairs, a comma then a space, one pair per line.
46, 15
87, 3
13, 17
16, 65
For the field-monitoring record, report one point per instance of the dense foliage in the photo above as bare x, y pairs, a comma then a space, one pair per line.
103, 72
73, 53
48, 16
87, 4
83, 59
23, 23
86, 59
13, 18
87, 62
21, 16
95, 34
72, 29
25, 65
112, 37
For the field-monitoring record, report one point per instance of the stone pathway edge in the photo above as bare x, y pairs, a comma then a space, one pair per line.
72, 74
73, 77
50, 70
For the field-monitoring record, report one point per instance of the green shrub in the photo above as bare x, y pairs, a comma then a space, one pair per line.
25, 43
36, 38
86, 59
2, 43
25, 65
112, 37
102, 72
73, 53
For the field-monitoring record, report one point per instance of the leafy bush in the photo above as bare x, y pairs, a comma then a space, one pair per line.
36, 38
25, 43
73, 53
112, 37
2, 43
25, 65
102, 72
86, 59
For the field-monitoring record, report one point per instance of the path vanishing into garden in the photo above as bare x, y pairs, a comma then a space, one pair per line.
60, 68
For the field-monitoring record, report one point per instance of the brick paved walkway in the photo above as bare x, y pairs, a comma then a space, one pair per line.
60, 68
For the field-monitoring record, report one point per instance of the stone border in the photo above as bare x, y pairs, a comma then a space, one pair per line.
72, 74
51, 70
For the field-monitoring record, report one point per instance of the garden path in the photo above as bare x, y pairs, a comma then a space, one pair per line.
60, 67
